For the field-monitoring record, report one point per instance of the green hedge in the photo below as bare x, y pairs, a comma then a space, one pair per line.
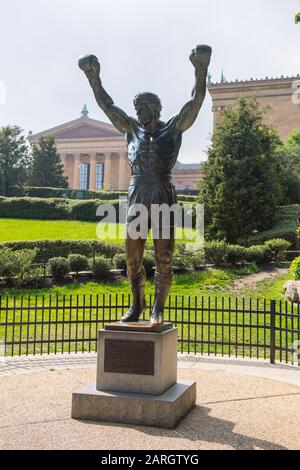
61, 193
27, 208
47, 249
58, 209
52, 209
286, 221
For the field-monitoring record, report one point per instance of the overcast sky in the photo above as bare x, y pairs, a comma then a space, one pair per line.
142, 46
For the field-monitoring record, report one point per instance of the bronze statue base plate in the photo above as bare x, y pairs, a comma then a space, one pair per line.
141, 326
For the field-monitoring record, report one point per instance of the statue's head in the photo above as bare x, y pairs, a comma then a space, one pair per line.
147, 106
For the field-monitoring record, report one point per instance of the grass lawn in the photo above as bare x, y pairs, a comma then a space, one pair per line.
19, 229
216, 284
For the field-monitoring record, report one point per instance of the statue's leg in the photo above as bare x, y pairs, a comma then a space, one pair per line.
163, 276
137, 278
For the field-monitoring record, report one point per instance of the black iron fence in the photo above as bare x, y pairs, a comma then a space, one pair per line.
258, 329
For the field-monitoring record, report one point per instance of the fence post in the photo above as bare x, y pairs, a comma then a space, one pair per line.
272, 332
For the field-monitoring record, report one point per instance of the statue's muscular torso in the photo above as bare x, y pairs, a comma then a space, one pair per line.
153, 155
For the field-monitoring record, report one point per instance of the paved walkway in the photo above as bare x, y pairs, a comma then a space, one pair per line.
252, 279
240, 405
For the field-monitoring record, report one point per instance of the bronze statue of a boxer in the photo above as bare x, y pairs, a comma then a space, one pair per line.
153, 148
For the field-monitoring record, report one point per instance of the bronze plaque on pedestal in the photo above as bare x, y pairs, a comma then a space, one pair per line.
129, 357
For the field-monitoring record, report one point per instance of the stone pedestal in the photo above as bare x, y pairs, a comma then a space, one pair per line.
134, 362
136, 378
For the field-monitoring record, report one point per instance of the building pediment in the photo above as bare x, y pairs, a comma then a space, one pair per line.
80, 129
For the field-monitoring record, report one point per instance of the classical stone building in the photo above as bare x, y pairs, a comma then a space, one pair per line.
278, 97
94, 155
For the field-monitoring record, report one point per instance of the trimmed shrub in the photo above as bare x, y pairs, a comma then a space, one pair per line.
149, 262
78, 263
34, 279
120, 261
181, 262
100, 266
191, 259
8, 267
260, 254
16, 263
197, 259
278, 247
235, 254
58, 267
215, 252
295, 269
47, 249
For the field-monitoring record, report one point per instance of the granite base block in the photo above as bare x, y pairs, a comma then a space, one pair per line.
164, 411
152, 369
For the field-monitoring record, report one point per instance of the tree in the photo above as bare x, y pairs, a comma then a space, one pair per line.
14, 159
241, 180
47, 169
297, 18
289, 154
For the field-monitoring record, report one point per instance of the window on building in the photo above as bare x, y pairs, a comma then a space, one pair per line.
84, 176
99, 175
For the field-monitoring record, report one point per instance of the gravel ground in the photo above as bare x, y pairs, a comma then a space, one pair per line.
232, 412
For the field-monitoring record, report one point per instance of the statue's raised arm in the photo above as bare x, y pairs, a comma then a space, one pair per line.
200, 58
91, 67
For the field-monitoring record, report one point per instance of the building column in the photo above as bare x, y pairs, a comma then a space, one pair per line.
107, 172
93, 166
76, 174
122, 171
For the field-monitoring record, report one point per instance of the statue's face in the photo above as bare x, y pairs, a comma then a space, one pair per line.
144, 114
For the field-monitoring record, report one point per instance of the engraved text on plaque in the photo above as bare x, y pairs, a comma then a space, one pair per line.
129, 357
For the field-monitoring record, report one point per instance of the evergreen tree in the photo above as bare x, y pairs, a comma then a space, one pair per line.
289, 154
14, 160
241, 181
47, 169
